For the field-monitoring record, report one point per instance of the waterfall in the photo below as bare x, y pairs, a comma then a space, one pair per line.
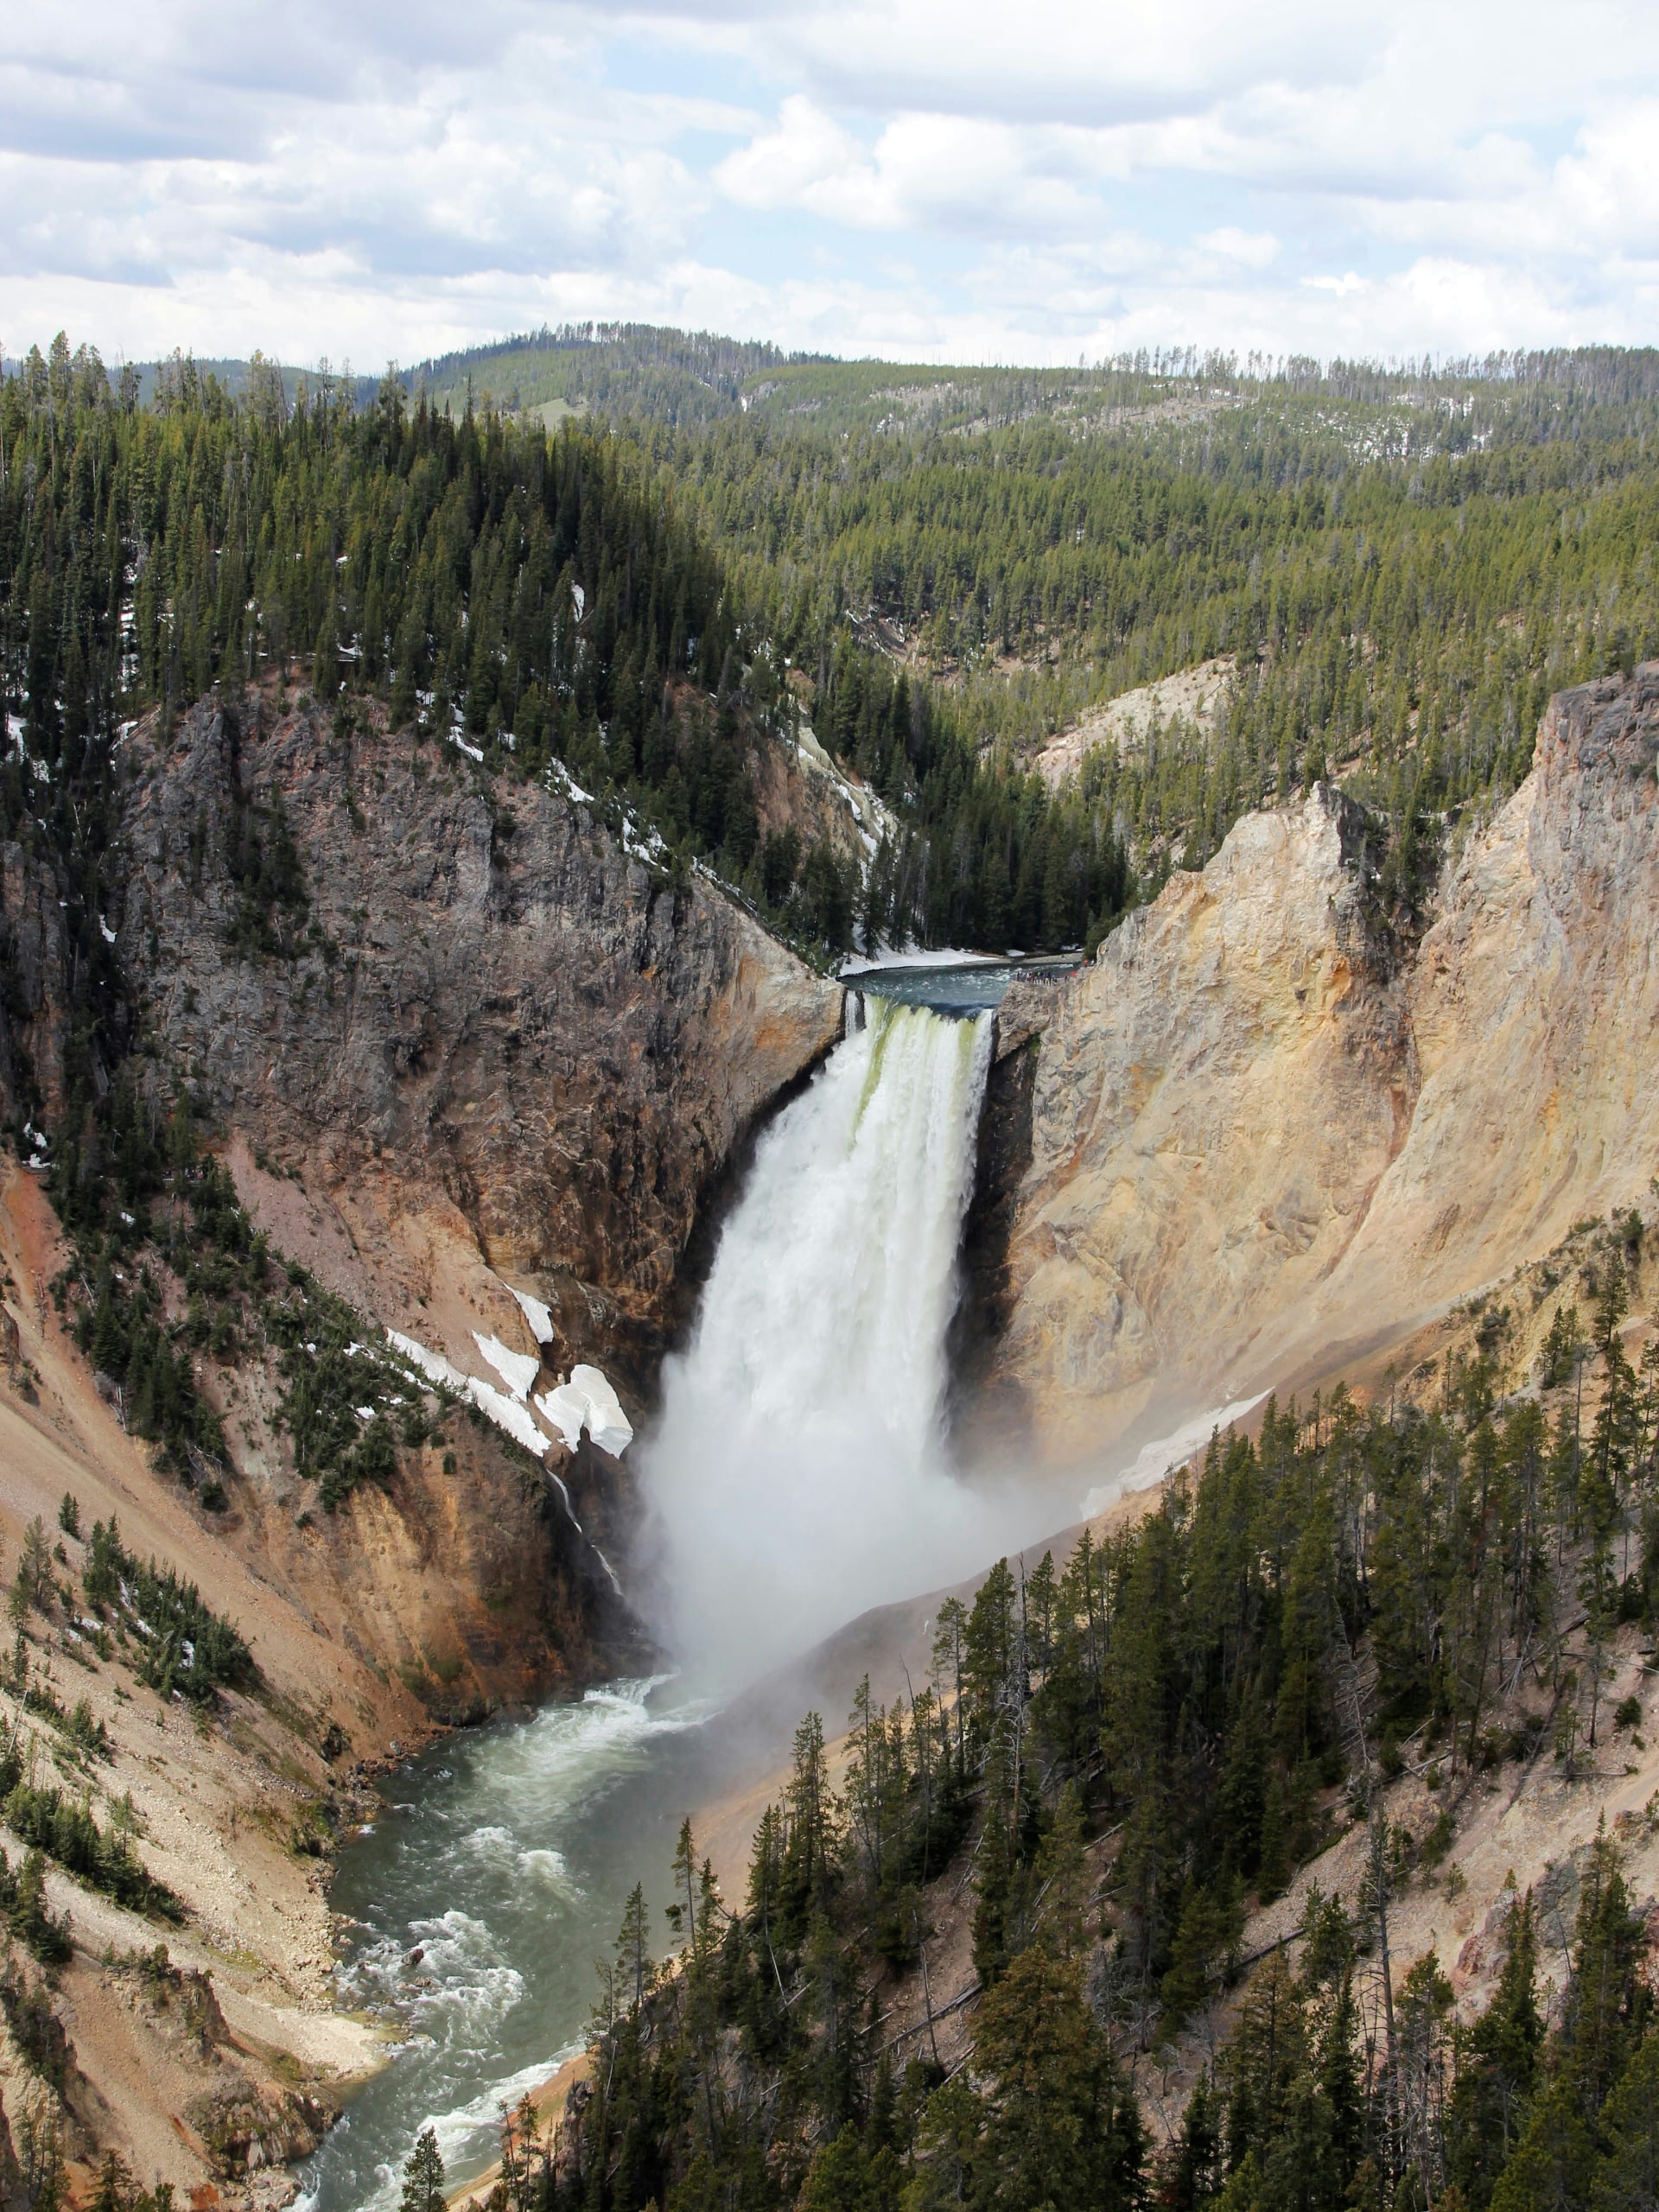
798, 1472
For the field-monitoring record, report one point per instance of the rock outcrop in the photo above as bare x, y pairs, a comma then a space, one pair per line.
459, 1040
497, 1041
1259, 1146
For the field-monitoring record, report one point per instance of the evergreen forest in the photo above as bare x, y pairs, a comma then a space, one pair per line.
938, 572
1118, 1754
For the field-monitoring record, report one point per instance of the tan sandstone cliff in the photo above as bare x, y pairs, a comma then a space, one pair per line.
1261, 1146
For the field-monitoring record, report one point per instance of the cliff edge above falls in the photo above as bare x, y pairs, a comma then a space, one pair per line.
1260, 1146
500, 1039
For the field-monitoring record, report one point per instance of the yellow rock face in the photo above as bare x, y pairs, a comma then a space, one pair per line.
1261, 1141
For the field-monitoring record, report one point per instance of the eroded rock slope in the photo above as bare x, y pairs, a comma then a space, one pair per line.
1261, 1144
499, 1039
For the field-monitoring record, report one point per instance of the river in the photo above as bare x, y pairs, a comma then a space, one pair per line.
798, 1473
481, 1899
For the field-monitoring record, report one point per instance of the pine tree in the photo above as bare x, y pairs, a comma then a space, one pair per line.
634, 1968
1062, 2124
1607, 2002
423, 2175
1627, 2177
1497, 2067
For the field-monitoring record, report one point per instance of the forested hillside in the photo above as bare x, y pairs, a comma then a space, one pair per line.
938, 569
1404, 566
1117, 1758
535, 599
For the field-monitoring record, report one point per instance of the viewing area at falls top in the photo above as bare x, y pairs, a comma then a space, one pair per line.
960, 987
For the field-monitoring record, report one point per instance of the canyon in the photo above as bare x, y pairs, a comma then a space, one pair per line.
482, 1061
480, 1046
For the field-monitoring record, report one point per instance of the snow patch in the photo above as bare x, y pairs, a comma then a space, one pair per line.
518, 1369
888, 956
472, 751
432, 1364
560, 774
505, 1412
539, 1317
587, 1401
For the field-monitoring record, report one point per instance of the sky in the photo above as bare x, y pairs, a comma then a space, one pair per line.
928, 179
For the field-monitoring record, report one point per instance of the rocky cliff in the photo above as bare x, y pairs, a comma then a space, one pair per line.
492, 1037
1261, 1145
455, 1038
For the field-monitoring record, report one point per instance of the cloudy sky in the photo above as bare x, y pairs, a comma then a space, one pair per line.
1035, 179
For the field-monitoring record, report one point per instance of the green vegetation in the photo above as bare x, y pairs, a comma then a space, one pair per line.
28, 1918
184, 1645
1404, 565
331, 1378
541, 597
544, 601
1400, 568
423, 2175
158, 1227
624, 371
62, 1827
1115, 1757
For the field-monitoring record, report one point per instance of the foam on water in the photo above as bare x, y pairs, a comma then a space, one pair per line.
481, 1898
799, 1473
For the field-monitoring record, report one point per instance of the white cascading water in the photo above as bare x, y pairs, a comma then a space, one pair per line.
799, 1473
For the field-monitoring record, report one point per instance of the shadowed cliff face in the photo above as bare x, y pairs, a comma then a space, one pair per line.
505, 1047
1259, 1148
455, 1042
34, 985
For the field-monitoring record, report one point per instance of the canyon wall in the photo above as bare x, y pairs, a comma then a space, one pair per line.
473, 1044
1263, 1143
502, 1041
455, 1038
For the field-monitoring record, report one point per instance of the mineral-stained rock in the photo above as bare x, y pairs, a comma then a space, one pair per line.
456, 1037
1259, 1143
495, 1029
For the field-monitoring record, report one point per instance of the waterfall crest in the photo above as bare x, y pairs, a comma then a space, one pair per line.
798, 1472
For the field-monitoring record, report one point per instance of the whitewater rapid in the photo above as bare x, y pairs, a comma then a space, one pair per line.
798, 1472
478, 1903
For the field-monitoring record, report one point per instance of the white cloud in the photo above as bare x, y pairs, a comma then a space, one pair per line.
1020, 183
1251, 249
